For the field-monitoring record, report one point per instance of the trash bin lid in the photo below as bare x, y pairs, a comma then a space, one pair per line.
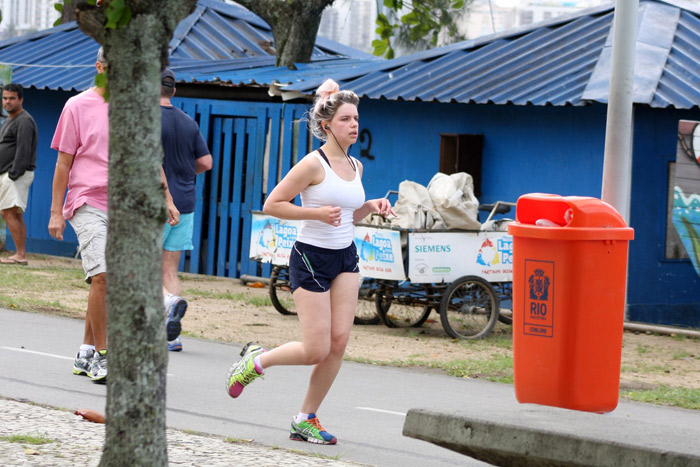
543, 215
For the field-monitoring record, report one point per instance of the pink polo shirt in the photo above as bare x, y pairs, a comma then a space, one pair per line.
83, 130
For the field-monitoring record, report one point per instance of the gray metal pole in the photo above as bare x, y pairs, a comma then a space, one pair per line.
617, 164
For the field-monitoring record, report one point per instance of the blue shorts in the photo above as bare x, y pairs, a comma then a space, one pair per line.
313, 268
179, 237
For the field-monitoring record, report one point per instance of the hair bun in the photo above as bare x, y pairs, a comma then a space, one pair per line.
327, 88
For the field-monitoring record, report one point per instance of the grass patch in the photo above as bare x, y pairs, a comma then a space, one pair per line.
241, 297
33, 286
642, 349
500, 341
27, 439
498, 368
237, 441
315, 454
678, 397
681, 354
30, 304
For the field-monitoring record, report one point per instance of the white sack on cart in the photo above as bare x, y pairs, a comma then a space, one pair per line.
414, 208
453, 197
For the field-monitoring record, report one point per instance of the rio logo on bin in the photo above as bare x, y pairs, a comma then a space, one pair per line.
539, 298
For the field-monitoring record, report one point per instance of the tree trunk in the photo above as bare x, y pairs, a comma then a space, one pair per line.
68, 13
294, 25
138, 354
137, 348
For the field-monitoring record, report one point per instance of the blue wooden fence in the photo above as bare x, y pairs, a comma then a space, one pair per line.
253, 145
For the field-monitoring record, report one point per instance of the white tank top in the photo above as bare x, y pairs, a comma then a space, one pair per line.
332, 191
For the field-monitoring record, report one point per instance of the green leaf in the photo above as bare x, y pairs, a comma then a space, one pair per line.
380, 47
126, 17
101, 80
118, 14
382, 20
58, 7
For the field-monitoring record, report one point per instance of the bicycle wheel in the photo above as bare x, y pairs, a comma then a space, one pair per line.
469, 308
280, 295
400, 308
366, 312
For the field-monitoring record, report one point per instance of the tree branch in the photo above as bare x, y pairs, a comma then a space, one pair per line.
91, 20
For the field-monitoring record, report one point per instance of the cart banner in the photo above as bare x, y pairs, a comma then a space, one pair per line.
271, 239
446, 256
380, 253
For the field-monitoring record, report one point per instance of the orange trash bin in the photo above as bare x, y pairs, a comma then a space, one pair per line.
569, 283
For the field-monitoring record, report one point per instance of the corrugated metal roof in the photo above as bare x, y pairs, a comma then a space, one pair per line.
261, 71
679, 85
564, 61
64, 58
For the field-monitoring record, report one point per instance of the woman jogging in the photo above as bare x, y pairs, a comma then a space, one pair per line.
324, 263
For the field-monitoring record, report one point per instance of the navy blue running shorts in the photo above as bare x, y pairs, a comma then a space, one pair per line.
313, 268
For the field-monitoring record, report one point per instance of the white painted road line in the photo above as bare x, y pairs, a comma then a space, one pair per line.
38, 353
402, 414
48, 355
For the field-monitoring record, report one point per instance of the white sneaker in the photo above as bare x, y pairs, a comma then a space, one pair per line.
175, 311
175, 345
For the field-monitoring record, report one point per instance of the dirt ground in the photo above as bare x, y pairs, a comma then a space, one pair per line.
221, 310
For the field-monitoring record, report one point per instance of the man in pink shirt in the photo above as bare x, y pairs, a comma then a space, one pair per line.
82, 141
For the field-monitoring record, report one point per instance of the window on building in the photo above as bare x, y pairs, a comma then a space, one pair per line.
547, 15
526, 17
462, 153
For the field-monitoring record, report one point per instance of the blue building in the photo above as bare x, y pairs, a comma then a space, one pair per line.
522, 111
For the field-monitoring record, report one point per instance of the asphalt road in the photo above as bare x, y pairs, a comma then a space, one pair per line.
365, 408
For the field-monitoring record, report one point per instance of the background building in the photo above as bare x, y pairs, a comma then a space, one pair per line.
23, 16
350, 22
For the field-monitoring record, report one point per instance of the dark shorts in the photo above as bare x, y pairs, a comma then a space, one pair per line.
313, 268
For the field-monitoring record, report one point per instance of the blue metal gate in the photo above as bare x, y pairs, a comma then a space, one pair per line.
253, 146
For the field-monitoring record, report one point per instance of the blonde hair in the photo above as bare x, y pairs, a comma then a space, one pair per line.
328, 100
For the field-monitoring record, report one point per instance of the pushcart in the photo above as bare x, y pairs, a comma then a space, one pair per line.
271, 242
465, 276
406, 273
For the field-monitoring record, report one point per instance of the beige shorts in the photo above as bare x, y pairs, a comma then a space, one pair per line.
15, 193
90, 225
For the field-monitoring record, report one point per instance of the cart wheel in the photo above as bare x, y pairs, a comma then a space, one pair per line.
400, 312
469, 308
505, 316
505, 297
280, 295
366, 312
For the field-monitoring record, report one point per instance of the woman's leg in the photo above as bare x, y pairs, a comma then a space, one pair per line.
343, 300
314, 313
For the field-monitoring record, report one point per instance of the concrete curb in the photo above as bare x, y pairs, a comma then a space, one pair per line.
533, 435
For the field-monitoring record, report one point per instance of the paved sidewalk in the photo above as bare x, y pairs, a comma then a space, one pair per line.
76, 441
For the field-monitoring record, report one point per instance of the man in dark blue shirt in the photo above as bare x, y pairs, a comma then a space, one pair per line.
186, 155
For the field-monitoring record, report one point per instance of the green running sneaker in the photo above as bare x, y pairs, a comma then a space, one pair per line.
244, 371
311, 431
